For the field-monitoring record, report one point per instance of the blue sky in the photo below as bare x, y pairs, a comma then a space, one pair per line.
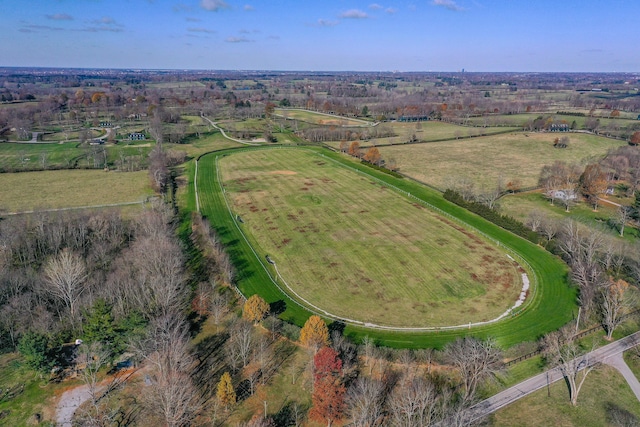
314, 35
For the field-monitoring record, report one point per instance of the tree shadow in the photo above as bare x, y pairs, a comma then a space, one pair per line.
336, 326
277, 307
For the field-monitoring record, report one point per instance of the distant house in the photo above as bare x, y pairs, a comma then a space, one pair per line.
137, 136
560, 127
562, 195
105, 124
96, 142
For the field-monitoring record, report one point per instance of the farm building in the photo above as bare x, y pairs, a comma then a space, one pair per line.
562, 195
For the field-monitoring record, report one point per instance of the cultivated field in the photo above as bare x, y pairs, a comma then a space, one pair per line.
359, 250
513, 156
71, 188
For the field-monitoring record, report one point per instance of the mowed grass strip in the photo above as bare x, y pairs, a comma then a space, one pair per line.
551, 305
359, 250
27, 191
514, 156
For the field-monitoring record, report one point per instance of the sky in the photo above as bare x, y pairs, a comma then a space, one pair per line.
331, 35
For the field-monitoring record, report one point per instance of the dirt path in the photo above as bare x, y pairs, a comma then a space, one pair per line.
69, 402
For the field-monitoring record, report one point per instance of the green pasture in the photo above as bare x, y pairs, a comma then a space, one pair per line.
320, 118
27, 191
427, 131
603, 389
196, 146
519, 120
520, 205
513, 156
358, 250
25, 394
549, 306
17, 156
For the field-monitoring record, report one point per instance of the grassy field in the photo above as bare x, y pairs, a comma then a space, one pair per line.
603, 389
320, 118
520, 205
26, 394
16, 157
205, 143
483, 160
521, 119
427, 132
359, 250
71, 188
552, 304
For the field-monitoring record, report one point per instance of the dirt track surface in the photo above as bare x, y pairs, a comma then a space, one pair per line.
69, 402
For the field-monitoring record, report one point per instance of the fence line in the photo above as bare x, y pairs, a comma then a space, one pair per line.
576, 336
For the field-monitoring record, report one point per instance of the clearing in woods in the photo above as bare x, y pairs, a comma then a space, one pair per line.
358, 249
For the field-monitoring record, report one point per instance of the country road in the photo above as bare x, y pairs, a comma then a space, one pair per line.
225, 135
510, 395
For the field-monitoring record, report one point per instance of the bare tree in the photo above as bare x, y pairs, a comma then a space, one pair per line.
65, 276
562, 351
535, 220
414, 404
240, 344
171, 392
614, 300
218, 307
623, 215
365, 398
475, 360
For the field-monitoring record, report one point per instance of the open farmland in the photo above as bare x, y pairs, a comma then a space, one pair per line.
356, 249
320, 118
427, 131
71, 188
513, 156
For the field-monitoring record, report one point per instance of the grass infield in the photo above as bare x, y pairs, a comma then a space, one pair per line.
548, 308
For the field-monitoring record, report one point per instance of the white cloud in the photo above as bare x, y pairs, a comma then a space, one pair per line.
237, 40
214, 5
354, 14
200, 30
326, 23
391, 10
375, 6
190, 19
60, 17
448, 4
248, 7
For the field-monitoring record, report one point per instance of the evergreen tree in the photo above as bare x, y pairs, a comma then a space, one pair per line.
34, 348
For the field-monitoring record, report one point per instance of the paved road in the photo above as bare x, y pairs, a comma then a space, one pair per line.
510, 395
618, 362
225, 135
